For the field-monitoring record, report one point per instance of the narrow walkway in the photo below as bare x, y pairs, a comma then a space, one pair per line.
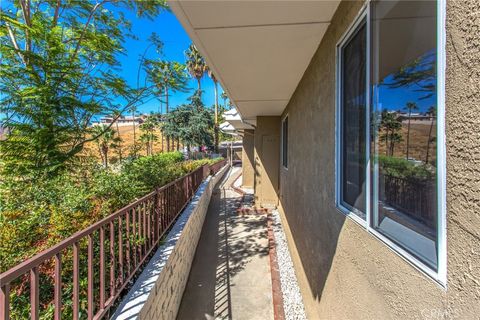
230, 275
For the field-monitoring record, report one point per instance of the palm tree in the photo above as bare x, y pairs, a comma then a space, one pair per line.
432, 112
224, 97
391, 125
196, 65
107, 139
409, 106
215, 128
148, 132
167, 76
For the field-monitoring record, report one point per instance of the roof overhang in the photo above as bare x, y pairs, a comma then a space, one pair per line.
258, 50
235, 120
227, 128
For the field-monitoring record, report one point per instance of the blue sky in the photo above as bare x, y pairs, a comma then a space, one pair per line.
176, 41
397, 98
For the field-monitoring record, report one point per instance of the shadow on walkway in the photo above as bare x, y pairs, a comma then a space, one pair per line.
230, 275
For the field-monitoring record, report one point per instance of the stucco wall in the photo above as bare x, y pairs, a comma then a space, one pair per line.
266, 154
345, 272
248, 159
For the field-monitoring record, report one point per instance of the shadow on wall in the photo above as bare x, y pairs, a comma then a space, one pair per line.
316, 254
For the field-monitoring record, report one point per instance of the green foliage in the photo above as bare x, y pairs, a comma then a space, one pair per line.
148, 129
166, 76
107, 138
196, 64
36, 216
191, 123
59, 69
402, 168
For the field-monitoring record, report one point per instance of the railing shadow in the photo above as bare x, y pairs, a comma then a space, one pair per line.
227, 243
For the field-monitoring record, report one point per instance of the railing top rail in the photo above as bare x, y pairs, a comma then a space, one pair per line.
22, 268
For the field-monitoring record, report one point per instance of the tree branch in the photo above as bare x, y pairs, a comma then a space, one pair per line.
26, 17
82, 35
13, 39
57, 12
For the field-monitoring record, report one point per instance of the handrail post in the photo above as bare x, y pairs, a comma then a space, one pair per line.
5, 302
58, 287
34, 294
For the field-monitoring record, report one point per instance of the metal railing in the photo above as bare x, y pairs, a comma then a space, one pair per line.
114, 248
413, 197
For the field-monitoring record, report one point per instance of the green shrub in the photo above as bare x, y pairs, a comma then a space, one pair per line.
402, 168
34, 216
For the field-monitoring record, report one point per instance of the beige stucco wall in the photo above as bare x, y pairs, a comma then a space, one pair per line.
248, 159
266, 154
345, 272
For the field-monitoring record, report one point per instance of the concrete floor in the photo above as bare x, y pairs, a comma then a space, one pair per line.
230, 275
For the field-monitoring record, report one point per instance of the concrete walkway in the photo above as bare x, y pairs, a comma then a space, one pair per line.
230, 276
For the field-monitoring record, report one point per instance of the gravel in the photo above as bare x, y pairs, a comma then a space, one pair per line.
292, 298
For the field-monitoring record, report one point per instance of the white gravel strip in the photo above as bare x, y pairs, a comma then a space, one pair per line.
292, 298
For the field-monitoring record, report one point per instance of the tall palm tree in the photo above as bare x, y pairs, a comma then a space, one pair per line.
196, 65
224, 97
107, 139
215, 127
168, 76
432, 112
410, 106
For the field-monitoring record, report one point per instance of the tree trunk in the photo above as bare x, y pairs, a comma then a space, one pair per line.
162, 137
100, 150
105, 155
428, 142
178, 144
134, 135
387, 146
408, 133
166, 111
119, 143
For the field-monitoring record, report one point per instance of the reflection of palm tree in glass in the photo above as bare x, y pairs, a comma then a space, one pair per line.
432, 112
391, 125
410, 106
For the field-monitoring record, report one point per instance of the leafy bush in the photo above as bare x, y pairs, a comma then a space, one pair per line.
402, 168
34, 216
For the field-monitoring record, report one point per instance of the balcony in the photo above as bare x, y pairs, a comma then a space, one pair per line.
193, 249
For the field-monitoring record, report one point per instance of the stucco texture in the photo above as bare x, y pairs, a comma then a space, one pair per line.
345, 272
248, 159
266, 160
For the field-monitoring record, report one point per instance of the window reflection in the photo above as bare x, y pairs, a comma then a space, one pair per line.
404, 105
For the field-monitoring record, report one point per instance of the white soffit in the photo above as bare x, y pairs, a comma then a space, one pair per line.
258, 50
